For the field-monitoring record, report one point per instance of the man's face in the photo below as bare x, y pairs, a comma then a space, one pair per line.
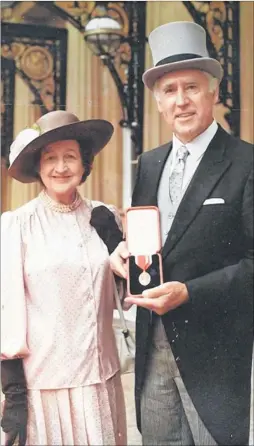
186, 99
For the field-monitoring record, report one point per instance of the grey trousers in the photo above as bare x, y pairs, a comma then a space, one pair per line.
168, 416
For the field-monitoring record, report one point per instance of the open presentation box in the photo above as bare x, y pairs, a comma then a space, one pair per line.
143, 239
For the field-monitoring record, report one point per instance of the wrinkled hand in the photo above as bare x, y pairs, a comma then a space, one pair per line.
162, 298
118, 260
14, 419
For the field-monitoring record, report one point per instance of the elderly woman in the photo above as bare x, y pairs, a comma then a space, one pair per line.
60, 368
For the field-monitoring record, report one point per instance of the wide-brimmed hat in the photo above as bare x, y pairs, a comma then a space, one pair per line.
178, 46
54, 126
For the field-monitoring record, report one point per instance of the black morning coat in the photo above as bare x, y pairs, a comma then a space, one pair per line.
210, 249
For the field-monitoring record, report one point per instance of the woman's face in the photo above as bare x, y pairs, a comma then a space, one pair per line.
61, 169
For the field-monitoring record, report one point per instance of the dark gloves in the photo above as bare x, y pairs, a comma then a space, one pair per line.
103, 220
15, 411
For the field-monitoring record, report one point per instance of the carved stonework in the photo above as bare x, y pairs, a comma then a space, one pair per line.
36, 65
221, 21
126, 65
38, 55
40, 61
79, 13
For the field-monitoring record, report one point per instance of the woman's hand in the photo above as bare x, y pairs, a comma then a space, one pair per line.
15, 410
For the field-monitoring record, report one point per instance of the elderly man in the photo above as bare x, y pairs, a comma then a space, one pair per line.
194, 332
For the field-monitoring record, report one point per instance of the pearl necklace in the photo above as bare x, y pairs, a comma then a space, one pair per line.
60, 207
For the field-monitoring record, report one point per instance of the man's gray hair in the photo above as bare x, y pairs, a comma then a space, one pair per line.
213, 83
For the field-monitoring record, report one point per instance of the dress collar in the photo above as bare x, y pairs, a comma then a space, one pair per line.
59, 207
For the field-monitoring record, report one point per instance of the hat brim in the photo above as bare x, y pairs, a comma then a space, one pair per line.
93, 135
206, 64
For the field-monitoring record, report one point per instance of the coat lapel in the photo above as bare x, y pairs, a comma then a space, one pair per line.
208, 173
151, 177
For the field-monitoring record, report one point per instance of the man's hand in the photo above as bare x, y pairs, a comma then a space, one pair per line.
163, 298
118, 260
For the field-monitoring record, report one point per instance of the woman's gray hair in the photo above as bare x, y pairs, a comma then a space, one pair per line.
87, 160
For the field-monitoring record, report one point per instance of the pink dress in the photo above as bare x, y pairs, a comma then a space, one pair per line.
57, 311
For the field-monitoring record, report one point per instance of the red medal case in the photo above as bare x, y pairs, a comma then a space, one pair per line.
143, 239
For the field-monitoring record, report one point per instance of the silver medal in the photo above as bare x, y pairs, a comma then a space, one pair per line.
144, 278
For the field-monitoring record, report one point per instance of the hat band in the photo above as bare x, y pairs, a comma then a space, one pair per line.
178, 58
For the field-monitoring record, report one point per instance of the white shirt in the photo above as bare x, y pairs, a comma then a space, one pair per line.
196, 148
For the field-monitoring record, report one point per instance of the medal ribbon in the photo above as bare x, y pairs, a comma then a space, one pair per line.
143, 262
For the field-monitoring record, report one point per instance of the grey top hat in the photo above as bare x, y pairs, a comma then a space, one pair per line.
178, 46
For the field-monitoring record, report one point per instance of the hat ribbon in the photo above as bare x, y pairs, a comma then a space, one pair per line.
178, 58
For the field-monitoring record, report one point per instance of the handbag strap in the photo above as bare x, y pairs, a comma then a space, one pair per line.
125, 330
120, 311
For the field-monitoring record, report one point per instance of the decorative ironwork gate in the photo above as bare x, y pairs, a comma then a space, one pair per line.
41, 61
38, 55
221, 21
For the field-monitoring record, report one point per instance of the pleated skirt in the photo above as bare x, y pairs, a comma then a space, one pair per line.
90, 415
